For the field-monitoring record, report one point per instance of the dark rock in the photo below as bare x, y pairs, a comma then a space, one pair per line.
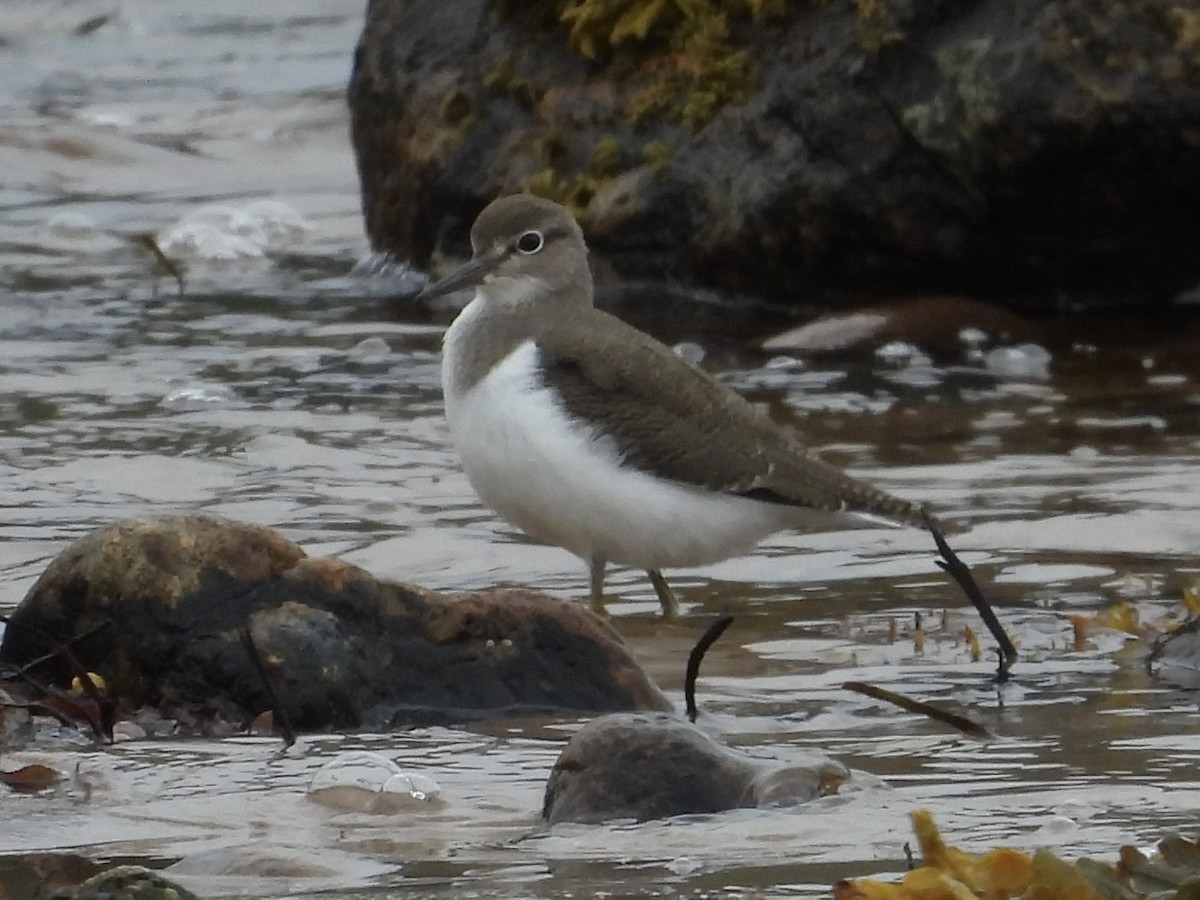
650, 766
42, 874
1001, 149
125, 883
342, 648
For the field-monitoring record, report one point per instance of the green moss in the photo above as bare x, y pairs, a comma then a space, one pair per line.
681, 57
1183, 20
574, 192
605, 158
650, 101
503, 77
656, 154
678, 56
719, 74
601, 25
966, 103
767, 9
876, 26
544, 183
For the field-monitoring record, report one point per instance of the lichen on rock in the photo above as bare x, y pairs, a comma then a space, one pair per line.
847, 150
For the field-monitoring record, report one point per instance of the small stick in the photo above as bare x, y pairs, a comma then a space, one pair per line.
62, 648
165, 263
962, 723
715, 630
958, 570
281, 717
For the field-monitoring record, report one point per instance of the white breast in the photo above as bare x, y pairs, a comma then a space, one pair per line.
562, 482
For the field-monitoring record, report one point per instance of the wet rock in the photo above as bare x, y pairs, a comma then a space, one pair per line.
1175, 656
943, 325
991, 148
159, 607
125, 883
15, 721
40, 874
650, 766
253, 861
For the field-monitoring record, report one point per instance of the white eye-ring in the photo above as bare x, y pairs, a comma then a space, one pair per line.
530, 242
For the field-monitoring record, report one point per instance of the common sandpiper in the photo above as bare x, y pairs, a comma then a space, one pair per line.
586, 433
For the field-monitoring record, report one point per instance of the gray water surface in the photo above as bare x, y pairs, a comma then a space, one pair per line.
285, 389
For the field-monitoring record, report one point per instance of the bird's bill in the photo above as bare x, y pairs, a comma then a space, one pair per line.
468, 275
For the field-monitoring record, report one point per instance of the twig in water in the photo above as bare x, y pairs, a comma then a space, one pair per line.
962, 723
959, 571
163, 262
715, 630
281, 717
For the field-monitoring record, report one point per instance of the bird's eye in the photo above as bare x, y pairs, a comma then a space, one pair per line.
530, 242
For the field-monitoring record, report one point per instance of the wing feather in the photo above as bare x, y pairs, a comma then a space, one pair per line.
672, 419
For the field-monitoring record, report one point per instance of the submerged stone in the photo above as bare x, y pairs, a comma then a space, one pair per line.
158, 607
651, 766
366, 782
1175, 656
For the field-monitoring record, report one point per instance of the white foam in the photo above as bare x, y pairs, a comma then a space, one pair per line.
1023, 362
225, 232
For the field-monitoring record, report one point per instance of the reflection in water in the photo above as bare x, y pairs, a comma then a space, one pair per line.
284, 388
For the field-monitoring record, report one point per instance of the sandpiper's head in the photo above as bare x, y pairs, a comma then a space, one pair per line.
525, 248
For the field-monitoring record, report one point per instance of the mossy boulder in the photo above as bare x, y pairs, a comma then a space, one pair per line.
798, 150
125, 883
158, 607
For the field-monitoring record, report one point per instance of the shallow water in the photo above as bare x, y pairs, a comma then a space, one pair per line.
284, 388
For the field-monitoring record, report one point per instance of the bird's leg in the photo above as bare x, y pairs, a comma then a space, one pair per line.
597, 598
666, 596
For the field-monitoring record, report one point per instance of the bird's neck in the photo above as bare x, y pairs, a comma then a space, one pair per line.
504, 314
484, 333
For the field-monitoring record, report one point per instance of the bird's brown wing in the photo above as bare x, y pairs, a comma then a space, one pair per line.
671, 419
